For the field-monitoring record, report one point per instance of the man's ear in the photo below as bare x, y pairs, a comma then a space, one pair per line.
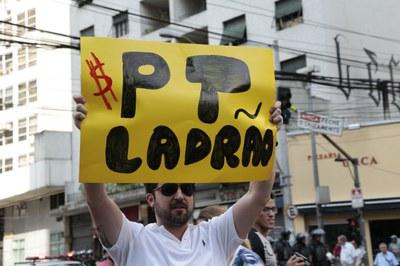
150, 198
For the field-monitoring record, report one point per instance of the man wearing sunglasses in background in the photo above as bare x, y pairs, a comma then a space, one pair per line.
172, 240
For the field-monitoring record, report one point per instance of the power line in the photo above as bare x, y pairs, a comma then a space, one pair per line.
40, 44
40, 30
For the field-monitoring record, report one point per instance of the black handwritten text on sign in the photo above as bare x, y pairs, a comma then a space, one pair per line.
216, 74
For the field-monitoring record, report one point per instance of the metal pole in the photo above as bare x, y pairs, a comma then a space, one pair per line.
354, 162
314, 160
282, 157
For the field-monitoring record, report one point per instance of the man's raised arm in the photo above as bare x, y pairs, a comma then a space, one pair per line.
249, 206
106, 215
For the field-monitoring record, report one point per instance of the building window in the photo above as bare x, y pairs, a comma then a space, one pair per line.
32, 56
21, 58
57, 201
24, 59
21, 22
8, 100
8, 164
22, 94
293, 64
121, 24
57, 243
32, 90
18, 248
9, 63
288, 13
22, 129
27, 19
8, 133
27, 92
31, 18
89, 31
235, 32
22, 160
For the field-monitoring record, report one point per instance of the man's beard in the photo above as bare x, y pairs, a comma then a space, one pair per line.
174, 219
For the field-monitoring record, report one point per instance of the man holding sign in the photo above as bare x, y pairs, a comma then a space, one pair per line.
211, 147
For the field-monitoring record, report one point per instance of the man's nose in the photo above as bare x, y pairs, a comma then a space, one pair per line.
179, 194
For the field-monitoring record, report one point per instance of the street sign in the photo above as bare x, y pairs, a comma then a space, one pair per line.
320, 123
357, 200
292, 212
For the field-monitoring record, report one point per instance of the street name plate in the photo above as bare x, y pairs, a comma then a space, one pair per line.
320, 123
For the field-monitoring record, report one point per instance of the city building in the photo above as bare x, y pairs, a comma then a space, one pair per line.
320, 40
35, 128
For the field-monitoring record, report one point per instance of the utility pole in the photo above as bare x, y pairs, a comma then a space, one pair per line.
360, 215
282, 158
308, 71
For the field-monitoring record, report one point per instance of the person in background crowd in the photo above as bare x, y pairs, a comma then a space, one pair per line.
394, 246
301, 245
282, 248
347, 251
209, 212
359, 253
336, 254
385, 257
259, 242
317, 249
172, 240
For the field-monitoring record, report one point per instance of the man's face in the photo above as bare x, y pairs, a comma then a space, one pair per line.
173, 210
266, 218
383, 248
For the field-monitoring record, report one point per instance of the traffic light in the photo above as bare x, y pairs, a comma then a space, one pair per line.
284, 96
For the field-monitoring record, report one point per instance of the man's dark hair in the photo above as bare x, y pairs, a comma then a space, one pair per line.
150, 187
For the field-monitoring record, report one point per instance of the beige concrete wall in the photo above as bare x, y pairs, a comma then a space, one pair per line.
377, 147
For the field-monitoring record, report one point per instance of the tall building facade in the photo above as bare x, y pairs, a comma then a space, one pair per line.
35, 128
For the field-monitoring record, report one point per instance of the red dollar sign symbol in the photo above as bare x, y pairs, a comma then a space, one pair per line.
93, 67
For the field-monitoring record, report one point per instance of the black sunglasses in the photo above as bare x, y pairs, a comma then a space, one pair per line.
169, 189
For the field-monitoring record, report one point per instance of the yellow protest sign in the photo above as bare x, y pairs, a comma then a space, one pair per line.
161, 112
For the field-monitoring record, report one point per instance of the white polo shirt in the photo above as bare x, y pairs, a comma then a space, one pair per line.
208, 243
